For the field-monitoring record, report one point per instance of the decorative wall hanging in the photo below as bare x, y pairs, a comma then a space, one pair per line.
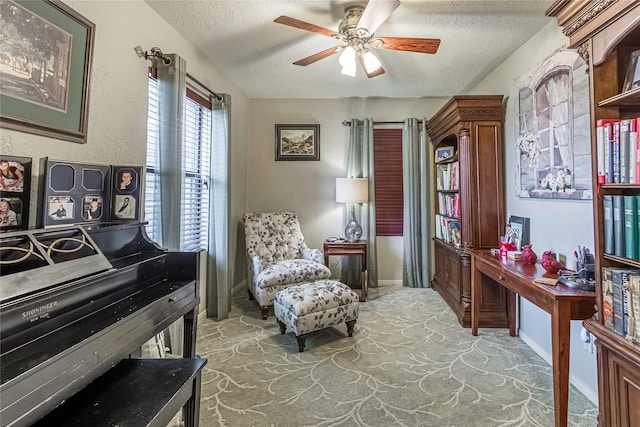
553, 140
297, 142
15, 192
45, 66
79, 193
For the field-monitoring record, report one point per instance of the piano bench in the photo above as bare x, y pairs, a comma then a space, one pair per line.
135, 392
313, 306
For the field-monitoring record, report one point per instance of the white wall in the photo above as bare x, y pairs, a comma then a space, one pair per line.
557, 225
309, 187
118, 98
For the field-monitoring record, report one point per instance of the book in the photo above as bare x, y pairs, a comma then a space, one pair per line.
609, 138
633, 150
634, 307
625, 152
616, 287
638, 226
620, 282
603, 130
607, 297
607, 209
616, 152
625, 301
630, 227
618, 226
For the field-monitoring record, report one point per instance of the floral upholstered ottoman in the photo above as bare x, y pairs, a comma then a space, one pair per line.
312, 306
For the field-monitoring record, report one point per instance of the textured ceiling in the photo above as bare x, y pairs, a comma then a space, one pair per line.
248, 48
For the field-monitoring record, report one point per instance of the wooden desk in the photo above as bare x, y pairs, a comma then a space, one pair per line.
343, 247
563, 303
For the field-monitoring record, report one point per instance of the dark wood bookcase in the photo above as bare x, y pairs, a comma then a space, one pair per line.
605, 32
472, 127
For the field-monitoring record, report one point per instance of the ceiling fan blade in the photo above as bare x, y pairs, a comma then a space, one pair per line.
406, 44
318, 56
374, 73
376, 12
296, 23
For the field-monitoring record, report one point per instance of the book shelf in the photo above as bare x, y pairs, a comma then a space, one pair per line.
605, 34
468, 208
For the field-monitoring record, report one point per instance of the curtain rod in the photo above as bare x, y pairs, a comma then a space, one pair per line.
348, 123
218, 97
156, 52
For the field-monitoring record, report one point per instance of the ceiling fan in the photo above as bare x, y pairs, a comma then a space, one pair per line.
356, 31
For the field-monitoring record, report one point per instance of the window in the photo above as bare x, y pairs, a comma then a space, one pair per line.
389, 194
553, 114
195, 191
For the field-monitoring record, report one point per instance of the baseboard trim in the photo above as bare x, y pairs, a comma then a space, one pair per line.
239, 287
584, 388
389, 282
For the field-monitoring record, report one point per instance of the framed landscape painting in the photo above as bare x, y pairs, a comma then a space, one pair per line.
298, 142
45, 65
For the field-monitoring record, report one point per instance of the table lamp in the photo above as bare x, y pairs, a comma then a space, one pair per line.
352, 190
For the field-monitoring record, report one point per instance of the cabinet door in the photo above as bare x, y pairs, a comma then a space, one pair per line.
624, 378
453, 260
441, 265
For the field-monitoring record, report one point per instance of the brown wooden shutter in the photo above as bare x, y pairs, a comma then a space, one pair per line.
389, 195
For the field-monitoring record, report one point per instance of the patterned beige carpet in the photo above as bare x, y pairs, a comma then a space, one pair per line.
409, 363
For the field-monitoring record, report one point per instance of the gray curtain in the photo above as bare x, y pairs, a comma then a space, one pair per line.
219, 258
172, 91
360, 165
415, 156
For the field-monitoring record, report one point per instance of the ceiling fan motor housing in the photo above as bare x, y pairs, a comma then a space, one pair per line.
349, 24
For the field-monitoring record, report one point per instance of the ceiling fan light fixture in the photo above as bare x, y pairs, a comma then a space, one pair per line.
371, 62
347, 60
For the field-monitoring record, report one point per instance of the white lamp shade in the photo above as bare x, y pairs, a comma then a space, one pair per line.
352, 190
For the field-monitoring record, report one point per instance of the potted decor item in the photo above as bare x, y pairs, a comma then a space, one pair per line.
550, 263
528, 255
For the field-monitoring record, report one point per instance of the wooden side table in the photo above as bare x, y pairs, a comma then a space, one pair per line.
343, 247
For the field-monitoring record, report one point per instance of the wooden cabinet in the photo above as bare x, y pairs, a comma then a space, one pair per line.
469, 203
605, 32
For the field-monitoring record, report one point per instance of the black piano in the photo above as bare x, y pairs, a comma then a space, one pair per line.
76, 303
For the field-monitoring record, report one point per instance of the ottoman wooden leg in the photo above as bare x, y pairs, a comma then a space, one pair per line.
283, 327
301, 339
265, 312
350, 325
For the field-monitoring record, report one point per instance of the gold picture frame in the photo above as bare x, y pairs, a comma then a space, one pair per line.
52, 56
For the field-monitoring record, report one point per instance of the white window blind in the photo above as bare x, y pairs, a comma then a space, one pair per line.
152, 186
194, 207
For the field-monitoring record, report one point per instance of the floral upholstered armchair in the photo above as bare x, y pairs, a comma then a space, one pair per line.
277, 256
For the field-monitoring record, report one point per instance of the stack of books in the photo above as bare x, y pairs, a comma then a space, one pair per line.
514, 255
621, 225
618, 151
621, 301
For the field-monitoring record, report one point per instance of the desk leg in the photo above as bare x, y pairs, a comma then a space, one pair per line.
511, 312
365, 284
476, 282
560, 343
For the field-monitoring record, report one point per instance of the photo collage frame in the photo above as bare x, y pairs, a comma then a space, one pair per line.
15, 192
76, 193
